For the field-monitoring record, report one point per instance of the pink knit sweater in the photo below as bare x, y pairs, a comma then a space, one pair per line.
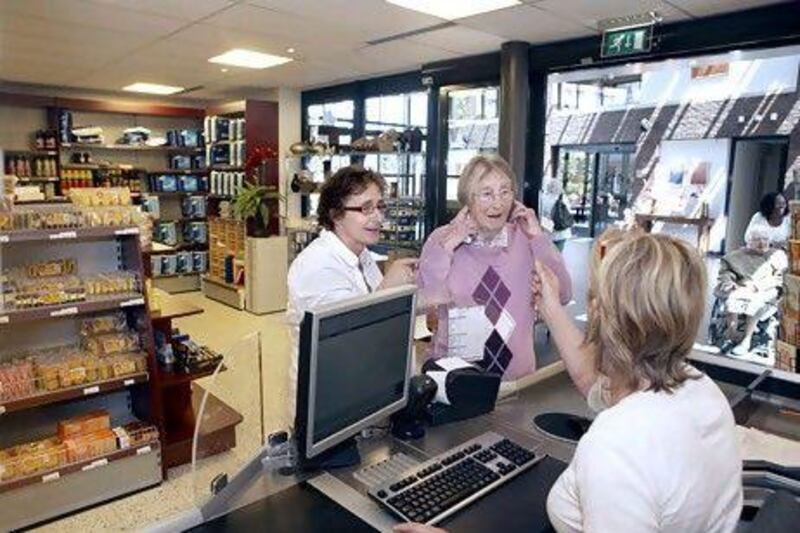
499, 279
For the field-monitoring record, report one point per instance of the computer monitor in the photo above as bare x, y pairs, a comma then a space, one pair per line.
354, 366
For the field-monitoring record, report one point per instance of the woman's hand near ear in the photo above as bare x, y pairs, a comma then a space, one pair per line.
526, 218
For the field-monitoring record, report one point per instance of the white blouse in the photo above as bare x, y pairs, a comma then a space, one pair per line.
778, 235
655, 462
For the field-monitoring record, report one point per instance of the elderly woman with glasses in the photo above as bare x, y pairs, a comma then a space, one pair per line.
338, 265
475, 273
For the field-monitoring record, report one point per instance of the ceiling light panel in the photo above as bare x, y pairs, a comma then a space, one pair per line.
152, 88
239, 57
452, 10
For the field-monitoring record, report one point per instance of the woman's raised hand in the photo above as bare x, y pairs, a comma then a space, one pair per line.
459, 230
526, 218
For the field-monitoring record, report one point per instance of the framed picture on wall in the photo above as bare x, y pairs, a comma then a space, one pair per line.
700, 173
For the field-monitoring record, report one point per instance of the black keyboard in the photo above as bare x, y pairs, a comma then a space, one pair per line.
445, 484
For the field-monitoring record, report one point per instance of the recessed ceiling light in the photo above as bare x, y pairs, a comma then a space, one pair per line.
223, 70
239, 57
152, 88
290, 50
451, 10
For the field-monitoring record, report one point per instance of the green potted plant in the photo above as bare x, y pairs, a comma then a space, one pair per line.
252, 204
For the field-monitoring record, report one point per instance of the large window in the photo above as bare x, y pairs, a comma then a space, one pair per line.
400, 112
331, 122
597, 95
472, 128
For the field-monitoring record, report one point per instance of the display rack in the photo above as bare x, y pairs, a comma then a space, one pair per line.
404, 220
180, 396
42, 487
248, 125
787, 349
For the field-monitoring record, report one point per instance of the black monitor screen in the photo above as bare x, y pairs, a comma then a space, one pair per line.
362, 360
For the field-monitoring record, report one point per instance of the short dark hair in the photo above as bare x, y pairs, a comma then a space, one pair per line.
347, 181
767, 205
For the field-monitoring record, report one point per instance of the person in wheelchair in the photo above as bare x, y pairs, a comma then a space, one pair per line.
749, 287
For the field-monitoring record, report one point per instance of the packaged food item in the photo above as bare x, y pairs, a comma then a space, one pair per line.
791, 298
31, 458
84, 446
111, 343
56, 267
123, 365
135, 434
108, 323
794, 211
794, 256
17, 380
85, 423
786, 357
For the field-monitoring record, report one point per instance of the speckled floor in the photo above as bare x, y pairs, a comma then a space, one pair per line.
235, 334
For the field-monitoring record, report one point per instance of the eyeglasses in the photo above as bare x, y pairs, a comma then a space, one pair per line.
490, 197
368, 209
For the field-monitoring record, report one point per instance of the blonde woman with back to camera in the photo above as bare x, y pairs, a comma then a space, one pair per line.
662, 454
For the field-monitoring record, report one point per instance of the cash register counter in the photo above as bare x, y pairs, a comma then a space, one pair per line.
336, 501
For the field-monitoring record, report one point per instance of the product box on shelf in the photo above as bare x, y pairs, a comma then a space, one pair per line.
786, 356
194, 206
195, 232
794, 213
85, 423
184, 262
791, 297
794, 256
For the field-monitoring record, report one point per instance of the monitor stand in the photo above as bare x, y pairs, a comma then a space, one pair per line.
340, 456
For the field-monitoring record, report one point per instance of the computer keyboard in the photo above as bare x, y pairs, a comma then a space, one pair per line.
437, 488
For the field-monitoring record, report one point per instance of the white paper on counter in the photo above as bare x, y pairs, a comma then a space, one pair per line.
440, 378
468, 330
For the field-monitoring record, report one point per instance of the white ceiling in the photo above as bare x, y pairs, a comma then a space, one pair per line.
107, 44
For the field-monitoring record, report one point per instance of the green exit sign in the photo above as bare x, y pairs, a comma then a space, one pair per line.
627, 41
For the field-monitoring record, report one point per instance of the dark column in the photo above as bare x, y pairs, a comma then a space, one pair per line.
535, 137
514, 103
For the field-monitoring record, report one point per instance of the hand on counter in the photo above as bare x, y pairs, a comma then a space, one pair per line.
400, 272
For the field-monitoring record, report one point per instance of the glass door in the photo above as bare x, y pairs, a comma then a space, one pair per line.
612, 190
471, 127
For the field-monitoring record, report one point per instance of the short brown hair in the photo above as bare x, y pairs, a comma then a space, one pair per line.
647, 296
347, 181
476, 169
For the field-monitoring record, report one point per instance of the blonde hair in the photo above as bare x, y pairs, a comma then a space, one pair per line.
646, 300
478, 168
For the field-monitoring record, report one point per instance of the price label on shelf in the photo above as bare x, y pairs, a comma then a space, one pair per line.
127, 231
63, 235
91, 390
53, 476
130, 303
128, 382
67, 311
143, 450
4, 238
4, 319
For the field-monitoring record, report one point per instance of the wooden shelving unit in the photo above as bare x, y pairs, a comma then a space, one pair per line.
181, 398
43, 495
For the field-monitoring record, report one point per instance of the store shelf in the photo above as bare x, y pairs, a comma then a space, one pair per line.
72, 393
186, 172
220, 196
172, 378
38, 179
75, 234
217, 432
32, 151
9, 317
82, 466
59, 200
130, 148
175, 194
221, 291
230, 168
166, 248
353, 153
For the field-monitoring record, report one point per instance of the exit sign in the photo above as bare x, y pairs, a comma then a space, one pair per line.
627, 41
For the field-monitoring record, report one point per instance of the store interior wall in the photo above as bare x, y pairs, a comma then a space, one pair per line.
289, 132
683, 157
18, 123
755, 172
